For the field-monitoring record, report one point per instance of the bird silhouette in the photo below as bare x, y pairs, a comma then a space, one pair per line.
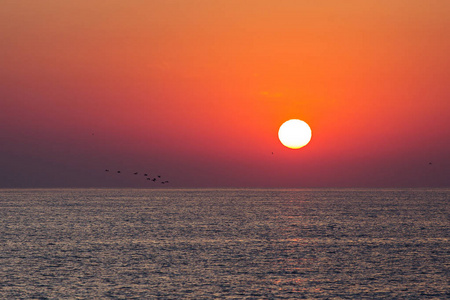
157, 178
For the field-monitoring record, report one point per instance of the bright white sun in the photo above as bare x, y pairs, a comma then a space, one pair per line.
294, 134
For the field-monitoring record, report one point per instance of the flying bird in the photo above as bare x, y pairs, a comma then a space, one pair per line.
157, 178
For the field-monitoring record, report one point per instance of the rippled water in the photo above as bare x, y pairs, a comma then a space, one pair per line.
224, 244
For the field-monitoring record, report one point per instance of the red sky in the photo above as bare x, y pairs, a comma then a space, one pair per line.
196, 90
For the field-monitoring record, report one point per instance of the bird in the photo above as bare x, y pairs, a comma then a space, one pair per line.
156, 178
430, 163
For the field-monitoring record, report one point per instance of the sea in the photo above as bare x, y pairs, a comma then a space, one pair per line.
224, 243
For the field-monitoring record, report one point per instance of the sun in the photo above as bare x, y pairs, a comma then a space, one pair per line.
294, 134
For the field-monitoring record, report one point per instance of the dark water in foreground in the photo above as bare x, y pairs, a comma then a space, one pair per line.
224, 244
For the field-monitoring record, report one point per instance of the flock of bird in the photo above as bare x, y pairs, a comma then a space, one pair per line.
147, 177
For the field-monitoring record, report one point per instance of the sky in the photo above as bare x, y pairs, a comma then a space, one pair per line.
195, 91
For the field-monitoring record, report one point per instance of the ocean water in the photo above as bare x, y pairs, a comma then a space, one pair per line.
224, 244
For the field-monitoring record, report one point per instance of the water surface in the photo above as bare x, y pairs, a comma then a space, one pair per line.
224, 244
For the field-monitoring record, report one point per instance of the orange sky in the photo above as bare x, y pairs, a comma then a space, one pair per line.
196, 90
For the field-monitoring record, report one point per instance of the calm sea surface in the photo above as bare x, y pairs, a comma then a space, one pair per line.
224, 244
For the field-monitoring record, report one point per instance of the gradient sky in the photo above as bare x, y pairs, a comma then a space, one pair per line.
196, 90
